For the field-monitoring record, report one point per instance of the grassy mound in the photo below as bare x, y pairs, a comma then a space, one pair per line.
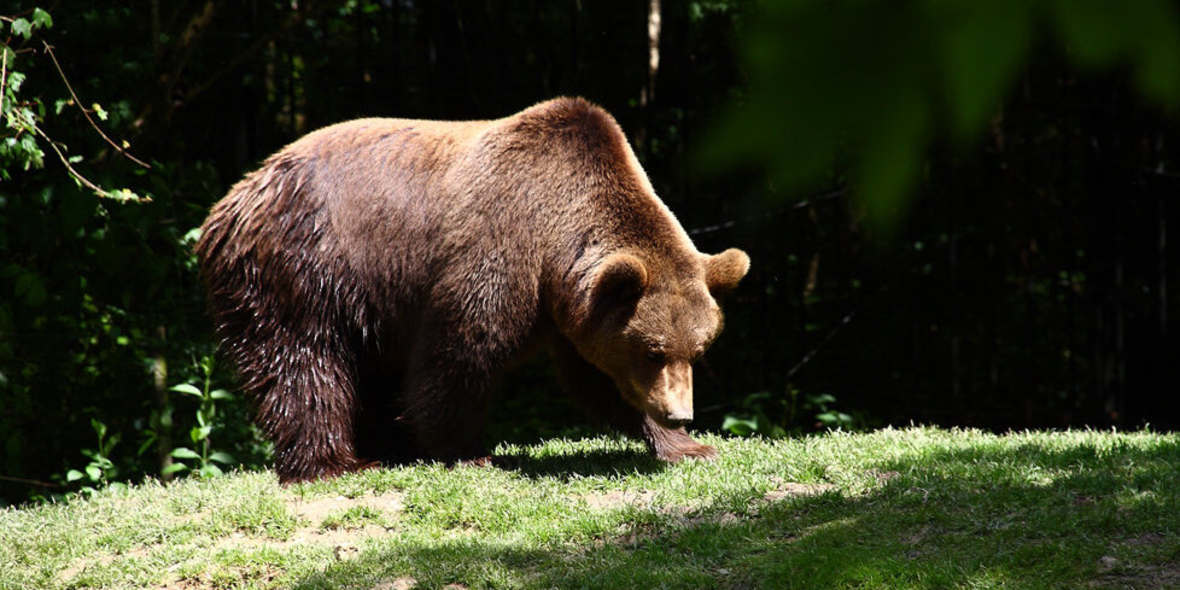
913, 508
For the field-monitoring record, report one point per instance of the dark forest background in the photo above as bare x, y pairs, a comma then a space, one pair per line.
956, 216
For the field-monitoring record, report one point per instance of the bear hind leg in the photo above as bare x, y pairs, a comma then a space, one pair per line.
307, 405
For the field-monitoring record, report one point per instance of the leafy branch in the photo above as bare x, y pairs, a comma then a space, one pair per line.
122, 149
22, 119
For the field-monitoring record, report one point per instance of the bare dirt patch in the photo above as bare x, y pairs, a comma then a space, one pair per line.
789, 489
1136, 577
315, 511
1123, 572
403, 583
618, 499
312, 516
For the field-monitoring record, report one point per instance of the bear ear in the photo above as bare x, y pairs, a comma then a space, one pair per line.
621, 278
725, 270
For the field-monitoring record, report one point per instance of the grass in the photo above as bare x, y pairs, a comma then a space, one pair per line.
913, 508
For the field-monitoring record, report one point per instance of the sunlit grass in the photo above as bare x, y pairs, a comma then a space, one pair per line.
913, 508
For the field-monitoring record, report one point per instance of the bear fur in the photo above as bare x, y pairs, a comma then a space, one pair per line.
371, 279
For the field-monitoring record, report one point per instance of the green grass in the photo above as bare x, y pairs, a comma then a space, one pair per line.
913, 508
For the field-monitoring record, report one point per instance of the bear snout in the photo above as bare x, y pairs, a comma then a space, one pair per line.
673, 392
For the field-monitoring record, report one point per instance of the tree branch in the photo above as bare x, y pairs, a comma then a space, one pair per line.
86, 113
98, 190
31, 482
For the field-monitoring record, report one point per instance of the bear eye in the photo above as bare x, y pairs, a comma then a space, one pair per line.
655, 355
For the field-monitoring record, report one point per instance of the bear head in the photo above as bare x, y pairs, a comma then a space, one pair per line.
650, 320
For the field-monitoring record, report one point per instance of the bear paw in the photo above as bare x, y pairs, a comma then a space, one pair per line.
699, 451
682, 450
484, 461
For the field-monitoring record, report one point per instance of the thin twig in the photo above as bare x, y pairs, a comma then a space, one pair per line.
82, 179
33, 482
3, 72
86, 114
754, 218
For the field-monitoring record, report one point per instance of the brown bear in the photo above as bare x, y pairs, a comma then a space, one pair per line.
373, 277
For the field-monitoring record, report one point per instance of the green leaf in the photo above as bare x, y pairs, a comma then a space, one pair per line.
1155, 46
146, 444
739, 426
74, 475
125, 195
184, 453
221, 457
982, 45
30, 287
23, 28
94, 472
200, 433
173, 468
42, 19
834, 419
211, 470
98, 110
99, 427
187, 389
1091, 30
821, 399
220, 394
891, 154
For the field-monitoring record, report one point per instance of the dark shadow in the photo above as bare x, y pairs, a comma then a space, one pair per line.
563, 466
599, 462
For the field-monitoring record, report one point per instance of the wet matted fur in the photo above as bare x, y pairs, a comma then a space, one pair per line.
371, 279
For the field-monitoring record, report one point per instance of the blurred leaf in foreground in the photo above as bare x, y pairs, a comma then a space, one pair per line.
856, 92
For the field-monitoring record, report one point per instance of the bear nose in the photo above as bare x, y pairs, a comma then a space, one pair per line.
679, 418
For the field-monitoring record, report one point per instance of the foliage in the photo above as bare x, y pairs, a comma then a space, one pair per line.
354, 517
21, 140
860, 90
777, 416
94, 295
200, 434
101, 470
18, 141
910, 509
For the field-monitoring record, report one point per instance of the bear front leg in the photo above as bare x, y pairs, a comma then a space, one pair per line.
468, 334
592, 391
445, 397
444, 410
595, 393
